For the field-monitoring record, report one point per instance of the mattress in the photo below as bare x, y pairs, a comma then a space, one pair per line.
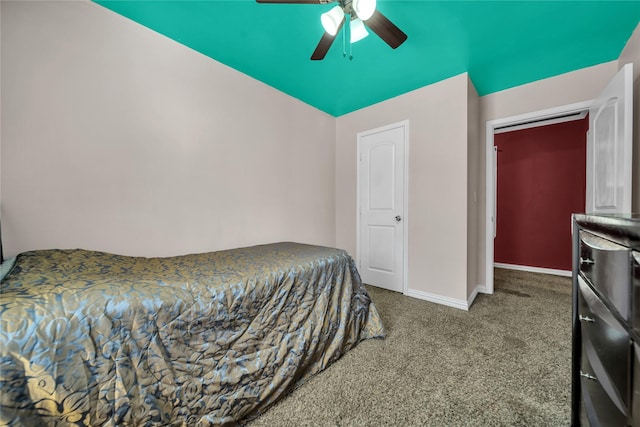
96, 339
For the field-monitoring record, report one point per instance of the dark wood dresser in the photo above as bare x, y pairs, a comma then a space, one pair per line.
606, 321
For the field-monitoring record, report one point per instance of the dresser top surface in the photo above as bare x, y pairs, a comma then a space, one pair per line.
623, 228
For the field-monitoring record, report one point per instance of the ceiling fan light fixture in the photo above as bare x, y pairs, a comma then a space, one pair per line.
358, 30
332, 19
364, 8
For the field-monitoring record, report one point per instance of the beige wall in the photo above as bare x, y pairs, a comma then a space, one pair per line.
0, 124
631, 54
119, 139
473, 142
437, 218
577, 86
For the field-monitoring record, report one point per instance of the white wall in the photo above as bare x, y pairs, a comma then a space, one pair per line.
577, 86
116, 138
631, 54
437, 214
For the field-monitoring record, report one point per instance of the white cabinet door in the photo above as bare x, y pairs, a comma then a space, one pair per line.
609, 146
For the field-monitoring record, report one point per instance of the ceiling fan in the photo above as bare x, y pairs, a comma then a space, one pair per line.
362, 12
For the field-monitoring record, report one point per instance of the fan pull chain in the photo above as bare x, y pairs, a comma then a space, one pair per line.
344, 43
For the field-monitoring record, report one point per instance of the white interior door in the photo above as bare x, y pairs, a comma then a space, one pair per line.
609, 146
382, 222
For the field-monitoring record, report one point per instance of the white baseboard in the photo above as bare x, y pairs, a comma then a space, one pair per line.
483, 289
439, 299
566, 273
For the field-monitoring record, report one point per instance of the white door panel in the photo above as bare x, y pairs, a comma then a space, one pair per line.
381, 169
381, 189
381, 245
609, 147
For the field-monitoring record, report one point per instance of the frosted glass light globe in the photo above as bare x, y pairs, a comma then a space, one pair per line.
331, 20
364, 8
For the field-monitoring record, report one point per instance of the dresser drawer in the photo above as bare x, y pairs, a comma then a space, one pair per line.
606, 343
607, 266
635, 390
598, 407
635, 271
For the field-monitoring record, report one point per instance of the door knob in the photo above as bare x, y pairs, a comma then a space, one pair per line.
398, 218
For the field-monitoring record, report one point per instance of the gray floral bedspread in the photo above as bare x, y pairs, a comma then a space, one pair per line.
94, 339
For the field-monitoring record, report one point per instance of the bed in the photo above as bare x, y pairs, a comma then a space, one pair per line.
96, 339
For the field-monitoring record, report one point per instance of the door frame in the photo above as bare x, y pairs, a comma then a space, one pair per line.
405, 209
490, 178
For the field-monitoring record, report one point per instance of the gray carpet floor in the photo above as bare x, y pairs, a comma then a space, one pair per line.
505, 362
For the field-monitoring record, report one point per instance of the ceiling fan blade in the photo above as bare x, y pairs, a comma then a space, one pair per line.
325, 43
386, 30
297, 1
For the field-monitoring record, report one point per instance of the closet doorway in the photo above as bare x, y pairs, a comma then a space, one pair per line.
540, 182
548, 116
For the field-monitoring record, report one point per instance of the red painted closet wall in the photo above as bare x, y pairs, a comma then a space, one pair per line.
541, 182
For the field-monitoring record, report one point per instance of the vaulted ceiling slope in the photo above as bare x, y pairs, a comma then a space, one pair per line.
501, 44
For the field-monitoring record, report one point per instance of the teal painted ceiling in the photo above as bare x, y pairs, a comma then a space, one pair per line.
501, 44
